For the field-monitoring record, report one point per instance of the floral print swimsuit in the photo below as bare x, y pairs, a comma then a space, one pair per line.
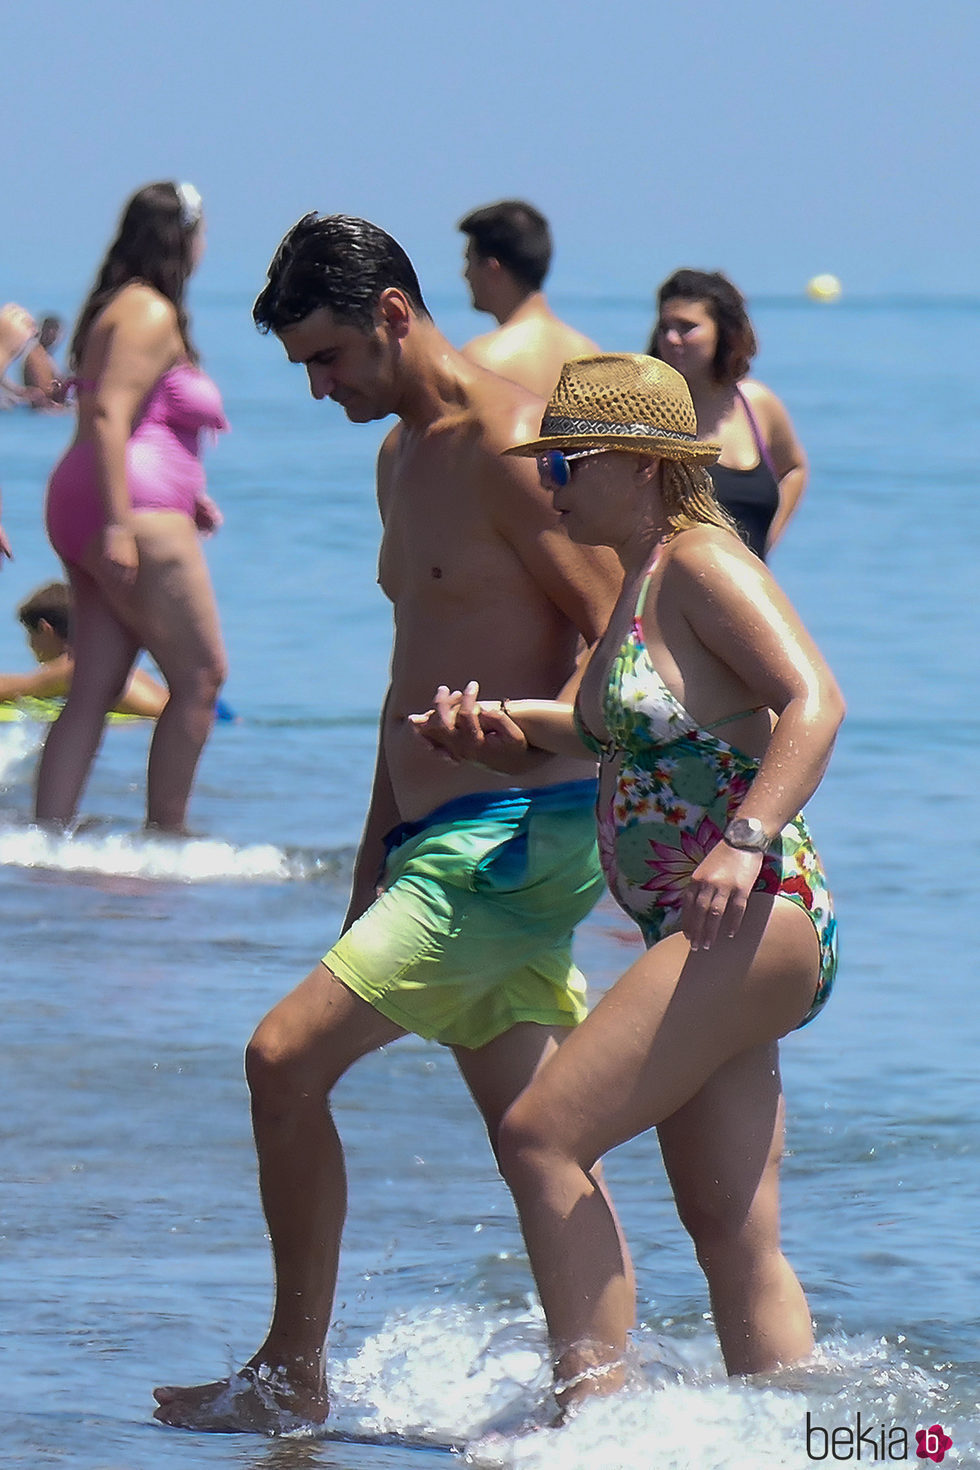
667, 802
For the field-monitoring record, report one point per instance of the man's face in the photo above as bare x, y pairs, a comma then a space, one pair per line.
475, 273
347, 364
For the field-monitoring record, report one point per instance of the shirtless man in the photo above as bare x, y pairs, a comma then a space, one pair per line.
484, 876
508, 252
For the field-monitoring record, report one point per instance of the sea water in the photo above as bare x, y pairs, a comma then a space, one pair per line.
132, 1245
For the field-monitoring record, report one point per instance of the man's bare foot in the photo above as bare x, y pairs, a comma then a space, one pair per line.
256, 1400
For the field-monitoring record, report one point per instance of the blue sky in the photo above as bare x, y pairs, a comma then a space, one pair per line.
767, 138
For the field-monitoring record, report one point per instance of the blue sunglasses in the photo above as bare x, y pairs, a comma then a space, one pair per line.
555, 466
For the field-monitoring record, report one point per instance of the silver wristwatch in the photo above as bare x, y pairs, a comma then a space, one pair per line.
747, 834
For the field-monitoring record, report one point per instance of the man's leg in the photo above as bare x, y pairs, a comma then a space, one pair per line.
497, 1074
299, 1052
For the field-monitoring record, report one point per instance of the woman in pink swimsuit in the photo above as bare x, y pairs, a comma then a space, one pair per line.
125, 507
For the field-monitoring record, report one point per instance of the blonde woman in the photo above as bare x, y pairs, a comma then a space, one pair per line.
713, 716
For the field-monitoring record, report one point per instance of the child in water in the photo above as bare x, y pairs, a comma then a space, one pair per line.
46, 616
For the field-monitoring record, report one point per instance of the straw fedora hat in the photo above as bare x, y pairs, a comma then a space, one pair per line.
622, 400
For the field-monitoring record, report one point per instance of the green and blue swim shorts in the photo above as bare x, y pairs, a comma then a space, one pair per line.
473, 932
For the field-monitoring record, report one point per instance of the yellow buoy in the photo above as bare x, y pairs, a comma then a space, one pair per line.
823, 288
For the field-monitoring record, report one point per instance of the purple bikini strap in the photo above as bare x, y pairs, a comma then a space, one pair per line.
760, 443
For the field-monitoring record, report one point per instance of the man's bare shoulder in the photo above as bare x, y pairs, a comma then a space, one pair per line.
531, 350
385, 468
484, 349
507, 412
572, 342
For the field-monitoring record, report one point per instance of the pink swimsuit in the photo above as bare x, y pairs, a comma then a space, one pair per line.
163, 466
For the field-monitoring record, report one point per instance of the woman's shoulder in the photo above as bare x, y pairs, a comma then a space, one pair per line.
703, 551
770, 411
139, 308
758, 395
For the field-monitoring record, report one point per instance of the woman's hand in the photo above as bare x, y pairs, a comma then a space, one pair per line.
718, 893
5, 550
120, 554
207, 515
466, 730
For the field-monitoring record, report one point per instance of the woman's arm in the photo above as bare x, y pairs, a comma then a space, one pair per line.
739, 614
509, 735
511, 740
134, 346
788, 457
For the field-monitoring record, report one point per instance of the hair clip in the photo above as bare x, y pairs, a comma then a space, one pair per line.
191, 207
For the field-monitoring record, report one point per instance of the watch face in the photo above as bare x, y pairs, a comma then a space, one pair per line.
747, 833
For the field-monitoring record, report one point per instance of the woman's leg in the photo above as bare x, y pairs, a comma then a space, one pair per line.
105, 650
651, 1044
722, 1151
172, 609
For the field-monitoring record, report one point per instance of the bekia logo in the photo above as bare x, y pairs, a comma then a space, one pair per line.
871, 1441
933, 1443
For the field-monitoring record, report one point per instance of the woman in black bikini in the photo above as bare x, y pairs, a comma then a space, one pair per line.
703, 330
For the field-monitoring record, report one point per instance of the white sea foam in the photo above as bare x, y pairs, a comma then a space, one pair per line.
163, 859
441, 1375
460, 1376
19, 744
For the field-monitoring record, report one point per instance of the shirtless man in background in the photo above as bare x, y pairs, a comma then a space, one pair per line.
482, 876
508, 253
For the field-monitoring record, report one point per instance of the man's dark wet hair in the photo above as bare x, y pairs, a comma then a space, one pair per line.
50, 604
337, 261
737, 343
514, 233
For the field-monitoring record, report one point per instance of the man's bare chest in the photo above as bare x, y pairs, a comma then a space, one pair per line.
438, 538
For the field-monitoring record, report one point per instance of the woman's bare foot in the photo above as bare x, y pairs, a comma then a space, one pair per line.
256, 1400
584, 1373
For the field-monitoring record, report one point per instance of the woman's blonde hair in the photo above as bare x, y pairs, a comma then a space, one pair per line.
688, 496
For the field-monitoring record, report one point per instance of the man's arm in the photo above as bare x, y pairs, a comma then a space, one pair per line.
582, 581
383, 814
